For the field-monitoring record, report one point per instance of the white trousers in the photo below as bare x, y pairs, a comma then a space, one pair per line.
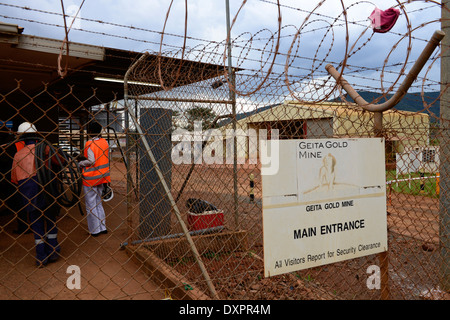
95, 215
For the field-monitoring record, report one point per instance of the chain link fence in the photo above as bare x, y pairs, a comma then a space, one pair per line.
186, 217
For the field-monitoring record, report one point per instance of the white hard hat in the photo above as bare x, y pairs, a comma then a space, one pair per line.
27, 127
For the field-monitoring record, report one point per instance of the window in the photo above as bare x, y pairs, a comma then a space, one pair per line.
428, 155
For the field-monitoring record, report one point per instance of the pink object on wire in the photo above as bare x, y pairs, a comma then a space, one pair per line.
383, 21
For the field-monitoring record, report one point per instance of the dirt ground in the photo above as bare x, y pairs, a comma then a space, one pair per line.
413, 264
108, 273
413, 241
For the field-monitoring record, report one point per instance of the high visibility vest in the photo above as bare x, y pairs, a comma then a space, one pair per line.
19, 145
98, 173
24, 166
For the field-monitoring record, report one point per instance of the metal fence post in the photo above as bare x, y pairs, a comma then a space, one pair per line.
444, 188
231, 78
383, 256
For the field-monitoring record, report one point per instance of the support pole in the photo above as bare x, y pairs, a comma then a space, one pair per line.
233, 114
378, 124
383, 257
444, 174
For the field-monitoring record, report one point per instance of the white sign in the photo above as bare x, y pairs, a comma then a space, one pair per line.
327, 203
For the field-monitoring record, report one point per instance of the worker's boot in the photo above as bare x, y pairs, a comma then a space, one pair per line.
41, 254
52, 247
37, 225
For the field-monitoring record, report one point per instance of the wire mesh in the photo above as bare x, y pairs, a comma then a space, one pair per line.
184, 140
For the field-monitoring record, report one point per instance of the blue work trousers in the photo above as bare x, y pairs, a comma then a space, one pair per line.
43, 223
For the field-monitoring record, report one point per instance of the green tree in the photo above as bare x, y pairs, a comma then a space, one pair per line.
203, 114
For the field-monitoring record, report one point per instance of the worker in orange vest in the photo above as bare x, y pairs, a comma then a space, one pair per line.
24, 174
96, 175
9, 195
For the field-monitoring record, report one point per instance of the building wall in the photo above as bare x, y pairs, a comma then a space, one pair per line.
319, 128
328, 120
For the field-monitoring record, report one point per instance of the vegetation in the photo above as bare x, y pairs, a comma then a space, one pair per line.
198, 113
412, 184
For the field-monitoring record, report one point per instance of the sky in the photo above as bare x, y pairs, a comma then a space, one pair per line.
312, 33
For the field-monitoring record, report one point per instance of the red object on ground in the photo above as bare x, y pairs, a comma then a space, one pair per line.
205, 220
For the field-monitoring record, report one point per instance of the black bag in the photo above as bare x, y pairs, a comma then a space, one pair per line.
199, 206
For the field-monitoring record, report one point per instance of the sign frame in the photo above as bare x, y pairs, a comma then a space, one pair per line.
326, 203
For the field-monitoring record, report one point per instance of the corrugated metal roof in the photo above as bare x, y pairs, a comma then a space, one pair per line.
325, 109
30, 62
